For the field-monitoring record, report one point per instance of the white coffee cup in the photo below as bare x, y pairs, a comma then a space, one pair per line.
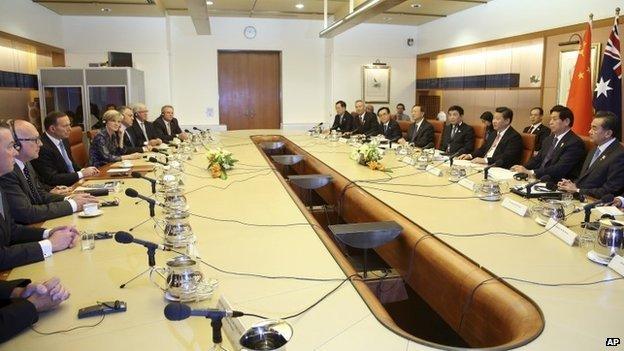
90, 209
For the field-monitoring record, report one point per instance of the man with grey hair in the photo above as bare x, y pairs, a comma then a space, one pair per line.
142, 130
21, 245
365, 122
30, 203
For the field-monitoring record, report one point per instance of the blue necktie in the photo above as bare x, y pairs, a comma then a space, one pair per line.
68, 162
596, 155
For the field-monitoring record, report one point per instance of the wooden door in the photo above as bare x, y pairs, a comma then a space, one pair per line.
250, 89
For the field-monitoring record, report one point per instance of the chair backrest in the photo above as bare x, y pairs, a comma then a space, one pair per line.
588, 143
77, 147
479, 131
404, 127
528, 145
438, 128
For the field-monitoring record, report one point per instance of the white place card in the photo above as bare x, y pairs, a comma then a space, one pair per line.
515, 207
408, 160
343, 140
617, 264
467, 183
435, 171
561, 231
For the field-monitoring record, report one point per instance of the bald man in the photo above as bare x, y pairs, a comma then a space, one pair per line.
30, 203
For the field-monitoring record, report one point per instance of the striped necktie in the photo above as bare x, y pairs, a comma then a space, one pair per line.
33, 190
68, 162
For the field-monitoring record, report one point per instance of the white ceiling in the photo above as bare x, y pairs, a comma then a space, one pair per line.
404, 13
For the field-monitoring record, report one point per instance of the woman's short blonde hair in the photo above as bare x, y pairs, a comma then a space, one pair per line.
112, 115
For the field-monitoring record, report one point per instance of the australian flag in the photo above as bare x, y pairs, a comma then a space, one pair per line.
608, 92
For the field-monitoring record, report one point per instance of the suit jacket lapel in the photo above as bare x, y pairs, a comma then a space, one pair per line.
55, 149
599, 160
24, 183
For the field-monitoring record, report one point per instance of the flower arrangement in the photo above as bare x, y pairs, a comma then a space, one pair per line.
369, 155
219, 162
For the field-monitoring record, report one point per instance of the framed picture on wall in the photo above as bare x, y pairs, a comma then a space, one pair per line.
567, 61
376, 84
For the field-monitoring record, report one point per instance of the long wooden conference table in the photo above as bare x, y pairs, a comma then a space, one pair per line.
575, 317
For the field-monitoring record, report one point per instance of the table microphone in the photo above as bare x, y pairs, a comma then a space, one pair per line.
487, 169
176, 311
127, 238
606, 199
135, 194
151, 180
155, 160
452, 157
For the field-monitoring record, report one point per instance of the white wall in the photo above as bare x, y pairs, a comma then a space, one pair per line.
363, 45
29, 20
89, 39
194, 83
505, 18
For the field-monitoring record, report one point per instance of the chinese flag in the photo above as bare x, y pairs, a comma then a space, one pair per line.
580, 94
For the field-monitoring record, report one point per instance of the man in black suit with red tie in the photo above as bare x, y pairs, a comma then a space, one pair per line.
504, 147
343, 121
420, 132
537, 128
457, 136
388, 127
603, 169
563, 152
365, 122
168, 125
55, 164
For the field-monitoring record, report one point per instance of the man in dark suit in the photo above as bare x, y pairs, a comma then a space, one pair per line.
563, 152
603, 169
537, 128
420, 133
343, 121
143, 131
30, 203
21, 301
503, 148
389, 128
131, 145
365, 122
21, 245
457, 137
55, 165
168, 125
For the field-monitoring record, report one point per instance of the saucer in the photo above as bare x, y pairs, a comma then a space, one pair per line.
593, 256
84, 215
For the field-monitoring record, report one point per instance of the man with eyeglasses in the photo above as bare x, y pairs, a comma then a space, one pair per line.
55, 165
20, 299
30, 203
143, 131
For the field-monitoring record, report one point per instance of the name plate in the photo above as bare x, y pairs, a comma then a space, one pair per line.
343, 140
467, 183
515, 207
617, 264
408, 160
561, 231
435, 171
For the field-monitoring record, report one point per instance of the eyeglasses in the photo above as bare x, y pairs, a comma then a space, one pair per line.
15, 146
35, 140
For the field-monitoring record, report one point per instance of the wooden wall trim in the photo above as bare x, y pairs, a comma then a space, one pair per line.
528, 36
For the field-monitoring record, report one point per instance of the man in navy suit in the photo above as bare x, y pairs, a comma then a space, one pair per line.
420, 132
55, 164
537, 128
365, 122
168, 125
457, 136
343, 121
603, 169
503, 147
563, 152
389, 128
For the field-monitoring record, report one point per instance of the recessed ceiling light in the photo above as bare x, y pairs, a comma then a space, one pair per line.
105, 9
416, 6
299, 6
209, 3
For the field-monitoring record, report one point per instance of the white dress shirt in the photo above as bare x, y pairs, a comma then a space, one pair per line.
500, 135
